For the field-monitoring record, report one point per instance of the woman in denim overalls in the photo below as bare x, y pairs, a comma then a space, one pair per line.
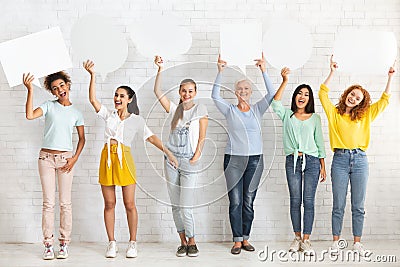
186, 140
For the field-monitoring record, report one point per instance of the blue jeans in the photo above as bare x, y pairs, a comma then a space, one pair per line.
243, 175
309, 177
349, 165
181, 184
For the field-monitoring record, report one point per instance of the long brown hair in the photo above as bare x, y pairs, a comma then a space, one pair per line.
358, 111
179, 110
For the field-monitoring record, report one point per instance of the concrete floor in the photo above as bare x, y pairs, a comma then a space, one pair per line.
211, 254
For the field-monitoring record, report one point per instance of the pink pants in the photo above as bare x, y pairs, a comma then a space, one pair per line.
48, 170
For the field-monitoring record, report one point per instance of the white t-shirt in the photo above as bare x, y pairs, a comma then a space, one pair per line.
193, 115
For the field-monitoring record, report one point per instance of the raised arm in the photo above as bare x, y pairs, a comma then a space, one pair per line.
264, 103
390, 76
221, 103
284, 73
162, 98
202, 138
30, 114
379, 106
327, 104
333, 67
89, 66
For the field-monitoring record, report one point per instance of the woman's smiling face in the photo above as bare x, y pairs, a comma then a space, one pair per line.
121, 98
60, 89
302, 98
243, 90
354, 98
187, 92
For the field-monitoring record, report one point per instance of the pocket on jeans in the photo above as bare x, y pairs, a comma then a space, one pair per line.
168, 164
362, 154
42, 155
339, 153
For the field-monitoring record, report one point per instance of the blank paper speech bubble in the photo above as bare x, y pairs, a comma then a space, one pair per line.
365, 52
93, 37
40, 53
240, 44
160, 36
287, 44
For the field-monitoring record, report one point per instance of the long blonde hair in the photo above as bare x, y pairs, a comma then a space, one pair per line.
179, 110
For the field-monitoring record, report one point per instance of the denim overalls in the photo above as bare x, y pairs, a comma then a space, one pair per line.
182, 181
179, 142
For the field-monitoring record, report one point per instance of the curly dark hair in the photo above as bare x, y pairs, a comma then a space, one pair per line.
55, 76
358, 111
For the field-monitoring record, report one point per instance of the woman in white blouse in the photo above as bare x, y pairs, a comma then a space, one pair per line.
116, 163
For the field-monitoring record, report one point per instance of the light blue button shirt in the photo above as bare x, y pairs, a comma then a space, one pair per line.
244, 128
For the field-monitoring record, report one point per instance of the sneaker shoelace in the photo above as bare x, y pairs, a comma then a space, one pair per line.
307, 245
360, 248
132, 245
48, 251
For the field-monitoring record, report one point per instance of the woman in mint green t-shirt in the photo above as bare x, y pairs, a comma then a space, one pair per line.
56, 157
305, 152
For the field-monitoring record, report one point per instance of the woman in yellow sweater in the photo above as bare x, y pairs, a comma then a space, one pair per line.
349, 135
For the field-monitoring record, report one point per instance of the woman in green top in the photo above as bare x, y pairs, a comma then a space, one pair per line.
305, 153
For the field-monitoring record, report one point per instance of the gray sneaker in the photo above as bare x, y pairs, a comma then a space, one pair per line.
182, 251
48, 253
63, 252
192, 251
306, 248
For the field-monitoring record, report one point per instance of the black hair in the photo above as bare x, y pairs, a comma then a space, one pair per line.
310, 107
133, 106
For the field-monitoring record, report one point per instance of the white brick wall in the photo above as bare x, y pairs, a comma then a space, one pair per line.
20, 140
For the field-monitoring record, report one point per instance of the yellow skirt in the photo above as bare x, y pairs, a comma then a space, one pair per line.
114, 174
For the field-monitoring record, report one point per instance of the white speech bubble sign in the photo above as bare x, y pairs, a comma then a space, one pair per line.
160, 36
240, 44
40, 53
94, 37
365, 52
287, 43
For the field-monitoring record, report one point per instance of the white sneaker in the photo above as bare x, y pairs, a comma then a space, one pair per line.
131, 251
48, 253
359, 248
306, 248
112, 249
335, 246
295, 246
63, 252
